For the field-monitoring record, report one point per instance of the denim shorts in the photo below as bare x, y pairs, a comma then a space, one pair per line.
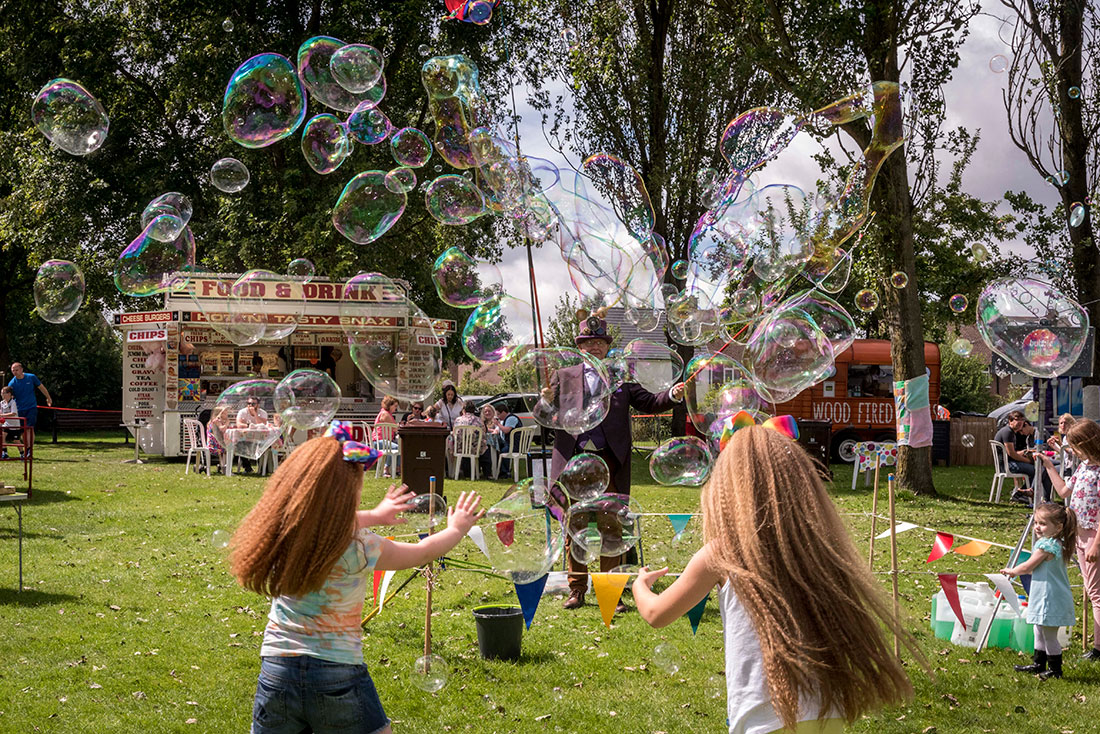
307, 694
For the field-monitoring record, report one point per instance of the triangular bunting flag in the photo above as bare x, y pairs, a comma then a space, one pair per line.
940, 546
1007, 592
608, 587
696, 613
900, 528
478, 536
506, 531
377, 580
973, 548
949, 582
529, 596
679, 522
387, 576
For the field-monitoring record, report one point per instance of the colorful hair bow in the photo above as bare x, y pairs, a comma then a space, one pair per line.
360, 453
785, 424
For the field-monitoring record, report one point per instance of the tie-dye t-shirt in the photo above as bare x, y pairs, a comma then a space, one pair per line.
326, 623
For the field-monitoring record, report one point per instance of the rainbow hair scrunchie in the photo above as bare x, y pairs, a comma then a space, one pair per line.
360, 453
784, 424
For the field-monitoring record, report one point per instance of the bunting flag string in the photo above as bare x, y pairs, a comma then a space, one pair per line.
695, 614
934, 530
900, 528
973, 548
609, 588
949, 582
529, 595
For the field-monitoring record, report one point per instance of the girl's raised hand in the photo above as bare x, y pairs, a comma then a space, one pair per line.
646, 577
464, 513
396, 501
1010, 572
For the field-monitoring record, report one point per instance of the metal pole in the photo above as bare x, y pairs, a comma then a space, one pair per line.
1011, 562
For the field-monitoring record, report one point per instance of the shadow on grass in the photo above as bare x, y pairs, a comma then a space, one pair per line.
12, 533
32, 598
527, 658
48, 497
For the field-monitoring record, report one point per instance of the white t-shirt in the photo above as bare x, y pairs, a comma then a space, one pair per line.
748, 702
246, 417
8, 406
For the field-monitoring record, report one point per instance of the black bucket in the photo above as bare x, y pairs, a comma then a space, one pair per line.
499, 631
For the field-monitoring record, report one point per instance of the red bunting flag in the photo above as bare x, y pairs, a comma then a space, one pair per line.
949, 582
940, 546
377, 581
506, 531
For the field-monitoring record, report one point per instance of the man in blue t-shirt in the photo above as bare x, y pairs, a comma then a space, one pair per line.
22, 384
506, 422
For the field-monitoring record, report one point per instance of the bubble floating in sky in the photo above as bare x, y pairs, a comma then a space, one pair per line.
356, 67
684, 461
654, 366
1076, 214
680, 269
220, 538
1031, 411
866, 300
958, 303
264, 101
70, 117
899, 279
787, 353
410, 147
368, 125
425, 511
301, 269
325, 143
998, 64
315, 70
962, 347
307, 399
980, 252
58, 290
571, 38
149, 266
498, 329
585, 476
229, 175
717, 387
367, 208
401, 180
252, 313
454, 200
462, 281
480, 12
173, 205
523, 532
456, 105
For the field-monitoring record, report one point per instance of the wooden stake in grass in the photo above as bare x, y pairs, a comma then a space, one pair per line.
893, 558
874, 512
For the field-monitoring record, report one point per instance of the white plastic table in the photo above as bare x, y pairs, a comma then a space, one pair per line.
16, 501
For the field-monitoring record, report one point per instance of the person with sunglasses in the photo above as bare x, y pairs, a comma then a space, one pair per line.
416, 413
251, 416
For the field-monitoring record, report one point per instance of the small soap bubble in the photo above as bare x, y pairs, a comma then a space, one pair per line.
368, 125
683, 461
58, 290
958, 303
430, 673
668, 658
401, 180
229, 175
980, 252
301, 269
479, 12
424, 50
1041, 348
356, 67
899, 279
571, 38
866, 300
585, 476
220, 538
425, 511
454, 200
264, 101
367, 208
325, 143
1075, 92
307, 399
968, 441
410, 147
962, 347
998, 64
1031, 411
680, 269
1076, 214
227, 25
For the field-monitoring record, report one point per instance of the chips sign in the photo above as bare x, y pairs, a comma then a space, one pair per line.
134, 336
428, 340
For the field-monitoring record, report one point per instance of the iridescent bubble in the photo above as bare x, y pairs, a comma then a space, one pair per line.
585, 476
430, 673
325, 143
70, 117
968, 440
497, 330
424, 50
829, 316
172, 212
367, 208
1076, 214
616, 517
1031, 411
58, 290
232, 409
307, 399
479, 12
149, 266
220, 538
998, 64
899, 279
962, 347
668, 658
264, 101
564, 397
462, 281
410, 147
958, 303
571, 38
301, 269
453, 200
356, 67
717, 387
684, 461
229, 175
457, 106
866, 300
425, 511
787, 353
980, 252
745, 302
621, 184
260, 304
315, 69
523, 531
654, 366
680, 269
1034, 326
1074, 92
227, 25
401, 180
368, 125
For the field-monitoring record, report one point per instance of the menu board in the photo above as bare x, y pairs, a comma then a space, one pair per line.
143, 396
416, 366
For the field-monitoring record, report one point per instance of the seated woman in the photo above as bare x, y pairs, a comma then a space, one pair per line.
1057, 442
469, 417
389, 405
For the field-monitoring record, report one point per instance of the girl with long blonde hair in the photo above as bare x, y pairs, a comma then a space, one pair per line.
306, 545
803, 617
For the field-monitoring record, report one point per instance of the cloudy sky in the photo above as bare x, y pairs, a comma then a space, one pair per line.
973, 101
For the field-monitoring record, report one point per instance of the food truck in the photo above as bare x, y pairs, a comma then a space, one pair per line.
176, 363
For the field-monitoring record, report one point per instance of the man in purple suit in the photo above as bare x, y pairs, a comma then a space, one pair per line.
610, 440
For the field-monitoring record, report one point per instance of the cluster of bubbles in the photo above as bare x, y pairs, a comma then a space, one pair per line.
58, 290
260, 304
162, 257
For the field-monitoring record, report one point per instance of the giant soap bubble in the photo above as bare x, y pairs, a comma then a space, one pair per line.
654, 366
717, 387
356, 67
149, 266
787, 353
368, 125
523, 531
456, 105
315, 57
1033, 325
172, 212
681, 461
229, 175
70, 117
454, 200
585, 476
264, 101
307, 399
58, 290
498, 329
555, 376
367, 208
238, 429
463, 281
615, 517
325, 143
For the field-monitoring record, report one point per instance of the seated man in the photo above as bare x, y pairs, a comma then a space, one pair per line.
247, 417
506, 422
1014, 437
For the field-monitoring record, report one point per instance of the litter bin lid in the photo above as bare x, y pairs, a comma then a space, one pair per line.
423, 429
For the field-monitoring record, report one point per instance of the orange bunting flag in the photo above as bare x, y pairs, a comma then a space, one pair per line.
973, 548
940, 546
609, 588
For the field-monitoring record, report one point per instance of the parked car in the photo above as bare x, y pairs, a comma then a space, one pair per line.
1001, 414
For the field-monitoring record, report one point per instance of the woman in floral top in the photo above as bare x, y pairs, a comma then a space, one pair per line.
1082, 490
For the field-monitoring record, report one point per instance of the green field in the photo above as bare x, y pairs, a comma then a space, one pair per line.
130, 622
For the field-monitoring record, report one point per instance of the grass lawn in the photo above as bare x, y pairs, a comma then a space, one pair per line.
130, 622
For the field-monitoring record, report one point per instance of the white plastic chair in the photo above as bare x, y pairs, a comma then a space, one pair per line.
519, 445
194, 443
385, 440
1001, 471
467, 445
